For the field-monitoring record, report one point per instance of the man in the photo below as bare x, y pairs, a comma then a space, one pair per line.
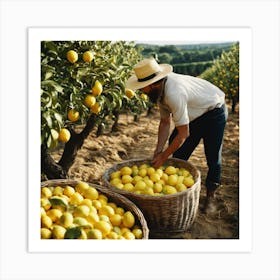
198, 110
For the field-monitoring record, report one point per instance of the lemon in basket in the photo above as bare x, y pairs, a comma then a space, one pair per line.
82, 212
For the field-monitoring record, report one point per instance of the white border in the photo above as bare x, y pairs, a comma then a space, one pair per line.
243, 35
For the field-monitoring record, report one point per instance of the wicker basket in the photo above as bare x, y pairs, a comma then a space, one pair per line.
120, 200
166, 215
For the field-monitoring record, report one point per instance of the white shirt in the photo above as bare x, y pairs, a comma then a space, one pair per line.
187, 98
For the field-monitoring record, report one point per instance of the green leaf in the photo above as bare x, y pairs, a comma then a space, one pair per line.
55, 200
73, 233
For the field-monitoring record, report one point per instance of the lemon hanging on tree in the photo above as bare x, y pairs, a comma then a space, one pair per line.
64, 135
89, 100
129, 93
96, 108
72, 56
97, 88
88, 56
73, 115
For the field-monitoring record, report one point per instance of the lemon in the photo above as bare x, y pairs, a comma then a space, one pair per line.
126, 170
87, 202
128, 187
144, 96
169, 189
180, 187
45, 203
58, 191
115, 181
66, 219
81, 211
91, 193
129, 235
97, 88
68, 191
76, 198
149, 183
93, 218
89, 100
58, 232
73, 115
94, 234
170, 170
116, 174
113, 205
128, 219
112, 235
104, 227
46, 192
45, 233
64, 135
140, 186
106, 210
96, 108
120, 211
43, 211
119, 186
97, 204
142, 172
81, 187
82, 222
185, 173
124, 230
159, 172
136, 179
148, 191
46, 221
116, 219
155, 177
88, 56
54, 214
135, 170
157, 187
117, 230
172, 180
103, 199
129, 93
83, 234
164, 177
150, 171
137, 233
72, 56
126, 179
188, 181
104, 218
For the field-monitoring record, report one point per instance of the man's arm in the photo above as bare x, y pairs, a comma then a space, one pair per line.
182, 135
163, 133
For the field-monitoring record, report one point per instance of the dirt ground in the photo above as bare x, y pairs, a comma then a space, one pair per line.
138, 140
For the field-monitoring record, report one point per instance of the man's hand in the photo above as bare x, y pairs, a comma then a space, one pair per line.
159, 160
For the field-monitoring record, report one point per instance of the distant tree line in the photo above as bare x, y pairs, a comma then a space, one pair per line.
186, 59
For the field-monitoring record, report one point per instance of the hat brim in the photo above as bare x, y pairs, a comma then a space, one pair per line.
134, 84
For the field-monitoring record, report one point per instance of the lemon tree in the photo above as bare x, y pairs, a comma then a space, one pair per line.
224, 73
82, 84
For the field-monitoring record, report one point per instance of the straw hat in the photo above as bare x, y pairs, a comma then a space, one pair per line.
147, 72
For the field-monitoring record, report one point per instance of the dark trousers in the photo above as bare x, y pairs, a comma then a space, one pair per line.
209, 127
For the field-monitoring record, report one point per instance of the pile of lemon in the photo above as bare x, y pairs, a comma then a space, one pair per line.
145, 179
82, 212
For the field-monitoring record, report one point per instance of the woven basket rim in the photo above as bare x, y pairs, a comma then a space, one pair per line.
114, 167
124, 200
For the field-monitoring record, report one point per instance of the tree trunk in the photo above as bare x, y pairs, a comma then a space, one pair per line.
54, 170
115, 124
233, 103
